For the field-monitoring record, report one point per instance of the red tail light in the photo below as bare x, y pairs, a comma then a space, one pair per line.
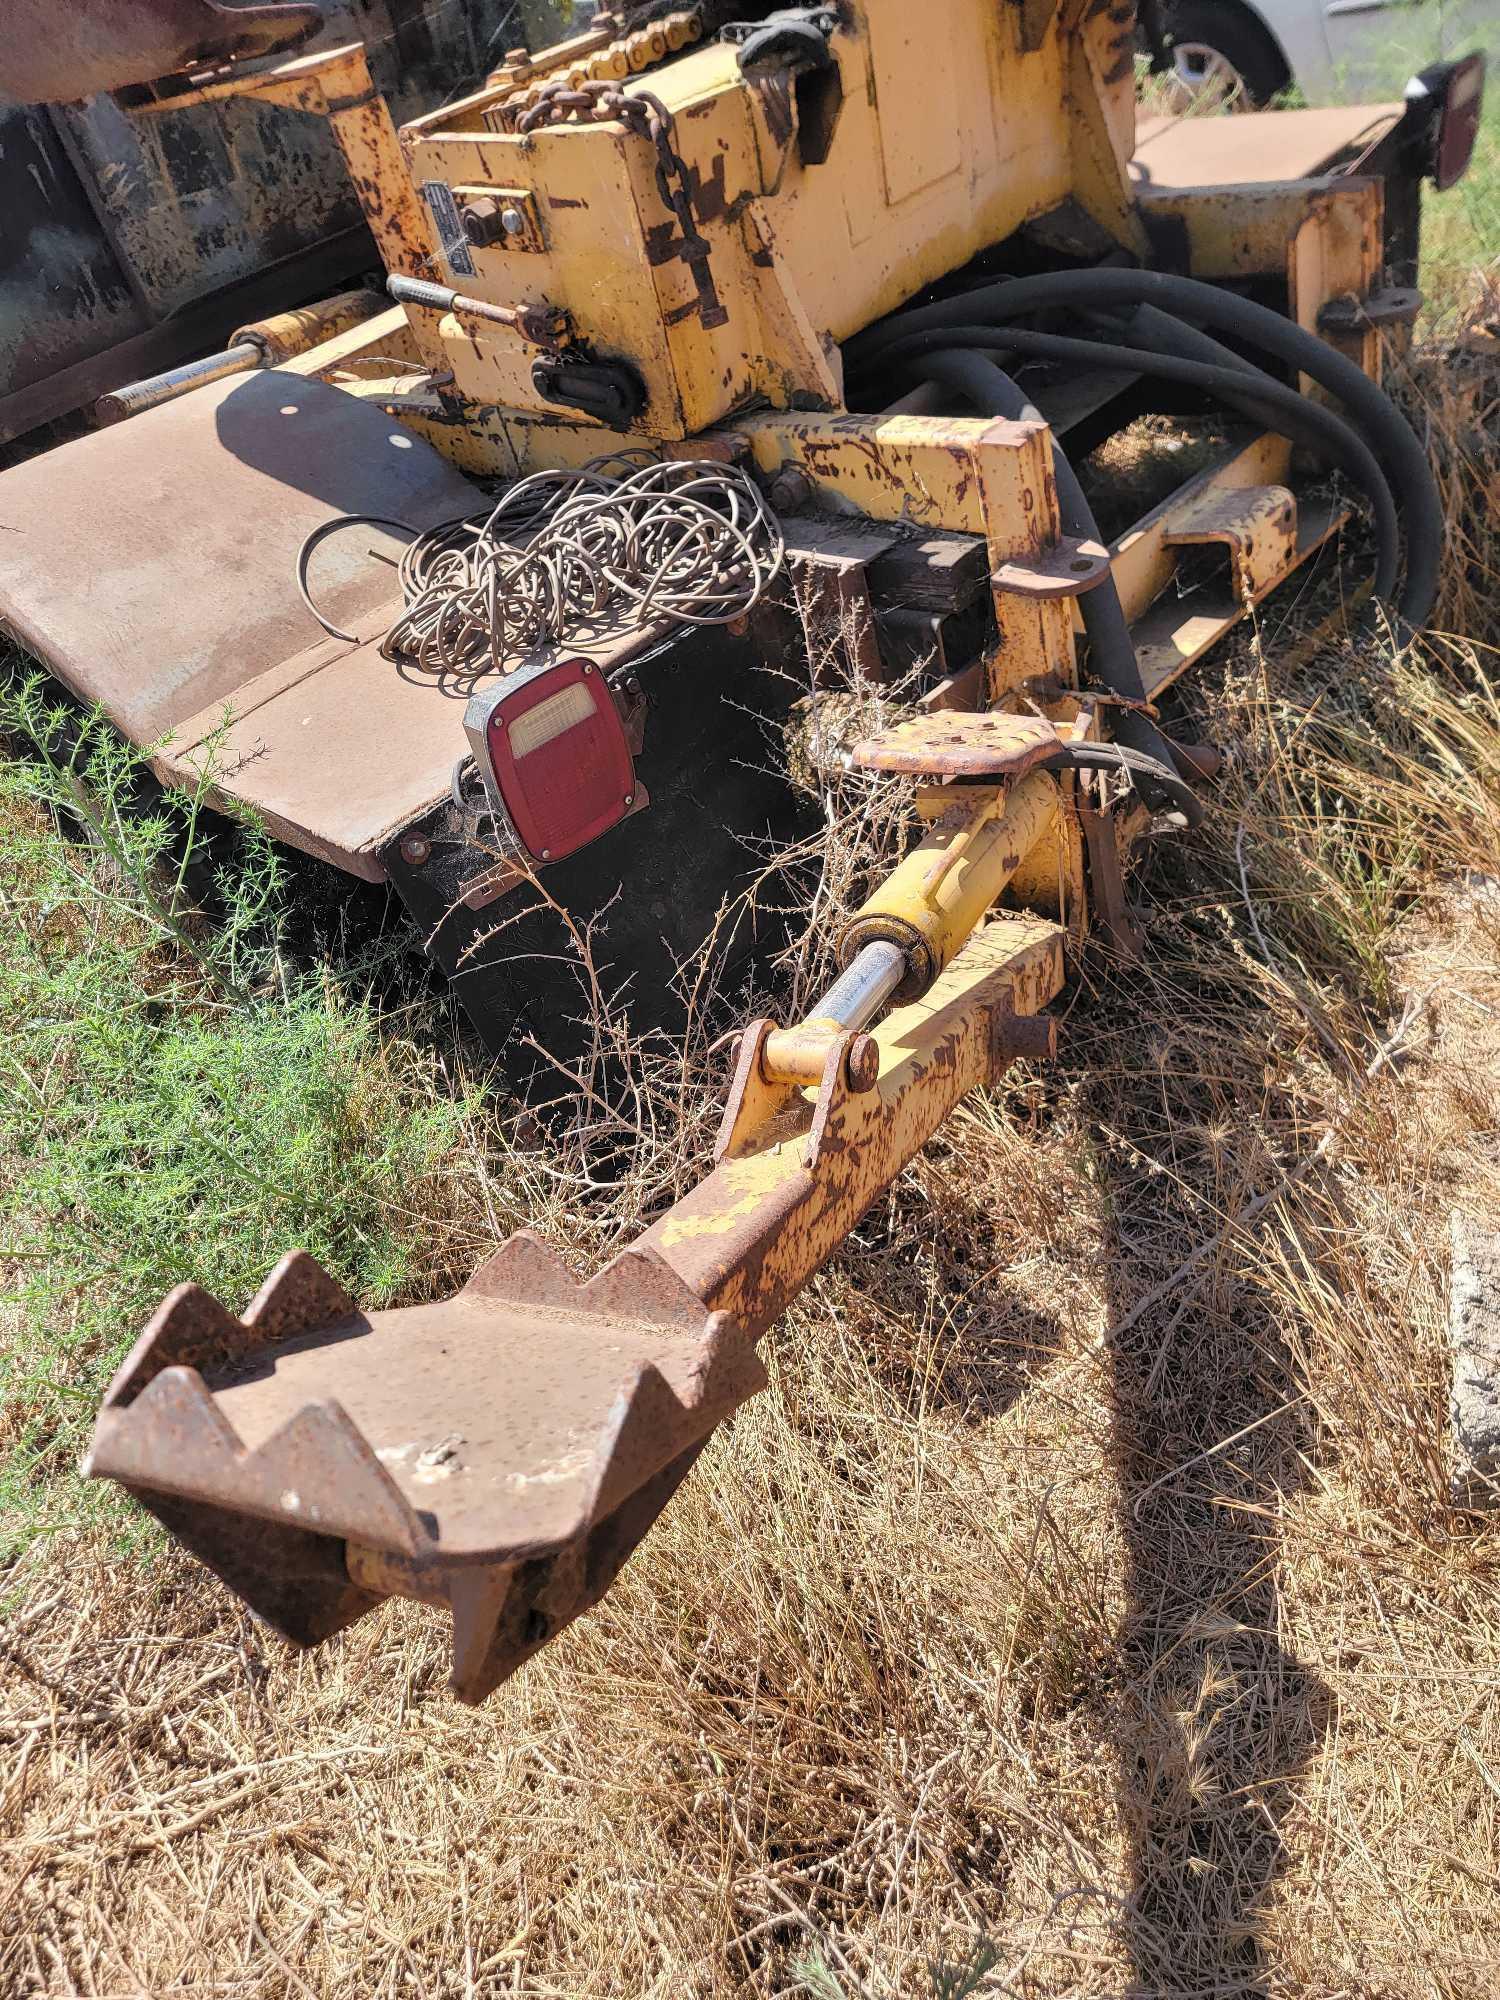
552, 750
1451, 97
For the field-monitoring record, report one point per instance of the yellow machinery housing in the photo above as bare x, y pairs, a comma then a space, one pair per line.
791, 247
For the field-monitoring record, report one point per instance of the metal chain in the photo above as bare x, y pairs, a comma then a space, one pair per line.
643, 113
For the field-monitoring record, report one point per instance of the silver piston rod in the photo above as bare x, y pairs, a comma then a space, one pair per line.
861, 991
863, 988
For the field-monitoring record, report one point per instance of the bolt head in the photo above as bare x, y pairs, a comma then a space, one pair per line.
416, 850
512, 221
790, 489
546, 854
862, 1064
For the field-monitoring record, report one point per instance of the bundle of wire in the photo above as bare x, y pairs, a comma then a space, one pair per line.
578, 555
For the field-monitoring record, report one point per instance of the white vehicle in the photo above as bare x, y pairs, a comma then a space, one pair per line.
1245, 52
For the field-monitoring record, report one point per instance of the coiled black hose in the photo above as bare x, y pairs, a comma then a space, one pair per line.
1372, 411
1249, 389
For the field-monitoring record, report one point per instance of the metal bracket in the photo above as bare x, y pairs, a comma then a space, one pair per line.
1257, 524
949, 743
1067, 569
1391, 306
1107, 883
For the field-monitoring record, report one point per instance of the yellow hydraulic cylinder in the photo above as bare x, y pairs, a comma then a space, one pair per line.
937, 896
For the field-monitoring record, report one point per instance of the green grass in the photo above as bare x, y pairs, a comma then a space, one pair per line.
173, 1103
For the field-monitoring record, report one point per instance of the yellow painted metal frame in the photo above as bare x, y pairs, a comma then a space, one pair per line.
914, 183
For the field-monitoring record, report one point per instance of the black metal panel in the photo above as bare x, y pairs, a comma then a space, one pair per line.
116, 220
62, 290
649, 892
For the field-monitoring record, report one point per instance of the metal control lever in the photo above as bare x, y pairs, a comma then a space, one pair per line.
540, 325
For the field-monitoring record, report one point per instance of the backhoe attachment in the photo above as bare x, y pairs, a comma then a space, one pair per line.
500, 1453
503, 1452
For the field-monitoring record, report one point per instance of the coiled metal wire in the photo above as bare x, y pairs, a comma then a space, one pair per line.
580, 555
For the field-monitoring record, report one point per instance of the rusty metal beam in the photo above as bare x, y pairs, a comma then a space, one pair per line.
795, 1176
502, 1453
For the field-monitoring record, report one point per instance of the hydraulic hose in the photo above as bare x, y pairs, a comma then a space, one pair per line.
1135, 764
1111, 649
987, 386
1387, 431
1258, 394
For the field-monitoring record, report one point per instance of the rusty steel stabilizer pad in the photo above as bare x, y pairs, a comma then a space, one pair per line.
953, 743
501, 1452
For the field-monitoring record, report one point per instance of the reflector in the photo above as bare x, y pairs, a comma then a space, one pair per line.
560, 711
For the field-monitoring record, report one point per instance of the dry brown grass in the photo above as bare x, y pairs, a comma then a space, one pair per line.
1057, 1594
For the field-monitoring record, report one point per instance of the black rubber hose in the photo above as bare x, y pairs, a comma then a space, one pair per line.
1111, 649
1135, 764
1386, 430
1259, 395
996, 394
1151, 327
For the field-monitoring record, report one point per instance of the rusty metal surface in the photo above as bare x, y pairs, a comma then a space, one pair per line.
51, 54
1067, 569
746, 1239
1175, 631
450, 1443
501, 1453
1106, 881
726, 258
950, 744
1253, 148
1257, 524
150, 566
205, 212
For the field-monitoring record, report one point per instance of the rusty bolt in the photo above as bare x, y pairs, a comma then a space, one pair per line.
862, 1064
790, 489
416, 850
1029, 1037
484, 221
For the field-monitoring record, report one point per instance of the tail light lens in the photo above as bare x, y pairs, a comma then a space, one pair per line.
552, 750
1447, 100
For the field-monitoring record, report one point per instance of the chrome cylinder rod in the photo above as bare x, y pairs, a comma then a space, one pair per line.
798, 1054
134, 397
862, 990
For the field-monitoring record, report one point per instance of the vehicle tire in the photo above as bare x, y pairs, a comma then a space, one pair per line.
1224, 49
